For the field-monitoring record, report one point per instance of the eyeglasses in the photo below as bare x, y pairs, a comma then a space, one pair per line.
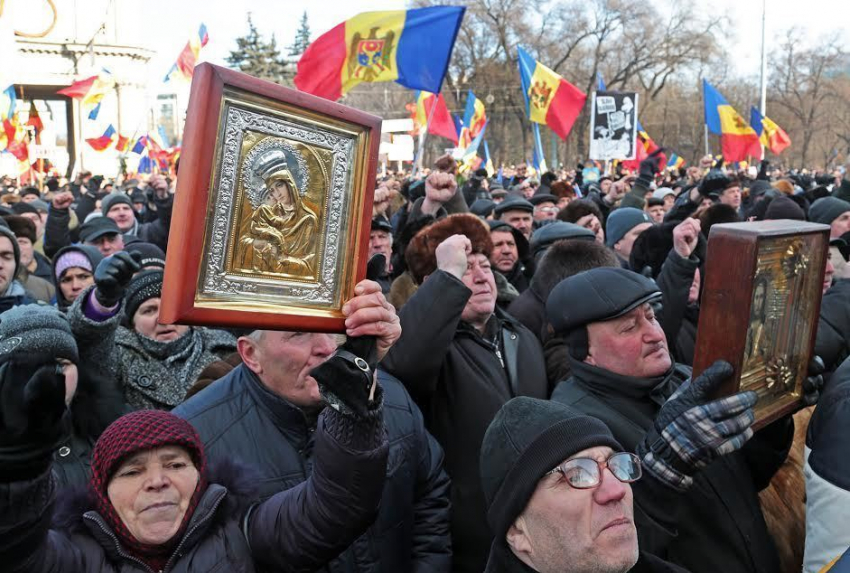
586, 473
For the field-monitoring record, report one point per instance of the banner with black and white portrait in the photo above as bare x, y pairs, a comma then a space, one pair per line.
613, 125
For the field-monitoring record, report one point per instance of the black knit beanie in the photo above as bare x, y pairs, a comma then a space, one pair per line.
527, 438
144, 286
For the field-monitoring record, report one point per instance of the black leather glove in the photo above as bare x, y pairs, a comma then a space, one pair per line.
813, 384
715, 180
33, 418
112, 276
347, 379
376, 266
690, 432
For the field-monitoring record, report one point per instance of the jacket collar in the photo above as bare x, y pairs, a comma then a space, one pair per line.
503, 560
198, 526
288, 418
657, 389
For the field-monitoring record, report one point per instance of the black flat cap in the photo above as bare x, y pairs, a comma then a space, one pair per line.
543, 198
597, 295
513, 204
380, 223
98, 227
543, 237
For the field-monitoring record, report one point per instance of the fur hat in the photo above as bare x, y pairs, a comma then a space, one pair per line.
22, 227
717, 213
420, 253
785, 186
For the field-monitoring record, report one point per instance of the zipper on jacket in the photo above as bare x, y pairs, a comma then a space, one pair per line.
189, 533
176, 551
117, 544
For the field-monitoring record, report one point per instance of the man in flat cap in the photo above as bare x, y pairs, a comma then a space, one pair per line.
559, 493
517, 212
462, 358
622, 373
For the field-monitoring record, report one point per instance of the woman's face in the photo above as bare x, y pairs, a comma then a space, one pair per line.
279, 191
74, 281
146, 323
151, 492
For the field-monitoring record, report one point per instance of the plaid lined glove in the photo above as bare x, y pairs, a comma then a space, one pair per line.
689, 433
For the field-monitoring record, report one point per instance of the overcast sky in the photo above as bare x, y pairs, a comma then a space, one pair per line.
226, 20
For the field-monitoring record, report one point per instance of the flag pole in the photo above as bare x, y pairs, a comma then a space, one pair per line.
763, 102
706, 138
417, 163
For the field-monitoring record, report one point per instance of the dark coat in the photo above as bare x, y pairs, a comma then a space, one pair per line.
411, 532
833, 337
719, 520
460, 380
676, 317
43, 268
296, 530
502, 560
530, 309
827, 473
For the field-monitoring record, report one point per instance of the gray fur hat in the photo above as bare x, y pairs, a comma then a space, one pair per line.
33, 331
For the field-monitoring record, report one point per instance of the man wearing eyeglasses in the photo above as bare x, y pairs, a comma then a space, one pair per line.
559, 495
622, 373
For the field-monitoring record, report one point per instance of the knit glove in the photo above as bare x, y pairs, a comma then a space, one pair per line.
347, 379
112, 276
689, 433
813, 384
33, 418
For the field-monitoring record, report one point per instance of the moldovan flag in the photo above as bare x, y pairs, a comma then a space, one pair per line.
675, 162
188, 57
104, 141
549, 98
644, 146
122, 144
474, 118
410, 47
90, 90
442, 123
771, 135
738, 140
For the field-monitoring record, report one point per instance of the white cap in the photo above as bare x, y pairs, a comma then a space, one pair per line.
662, 192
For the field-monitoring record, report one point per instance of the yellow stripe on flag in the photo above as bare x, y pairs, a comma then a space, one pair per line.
371, 42
544, 83
731, 123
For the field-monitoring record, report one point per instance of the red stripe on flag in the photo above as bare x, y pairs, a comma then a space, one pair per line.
441, 122
320, 67
739, 147
78, 89
564, 109
186, 61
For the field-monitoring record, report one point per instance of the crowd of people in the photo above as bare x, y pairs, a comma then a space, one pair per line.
514, 392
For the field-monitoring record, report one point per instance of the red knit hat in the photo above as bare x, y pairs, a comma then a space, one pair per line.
128, 435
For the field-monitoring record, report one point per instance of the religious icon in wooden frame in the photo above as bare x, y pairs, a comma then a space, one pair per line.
273, 206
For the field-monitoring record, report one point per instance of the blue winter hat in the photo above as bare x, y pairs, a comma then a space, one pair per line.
621, 222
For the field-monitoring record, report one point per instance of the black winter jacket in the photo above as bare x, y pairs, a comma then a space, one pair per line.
719, 520
833, 337
296, 530
238, 416
502, 560
460, 379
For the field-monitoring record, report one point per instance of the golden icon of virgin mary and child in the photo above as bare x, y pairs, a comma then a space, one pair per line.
278, 233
